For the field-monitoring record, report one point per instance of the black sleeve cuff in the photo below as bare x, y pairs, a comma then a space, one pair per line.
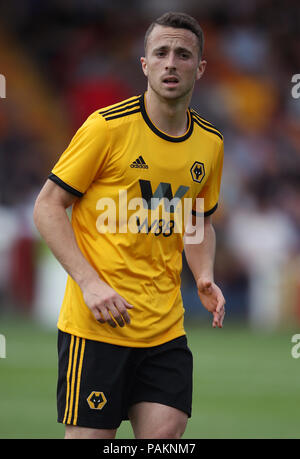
63, 185
207, 213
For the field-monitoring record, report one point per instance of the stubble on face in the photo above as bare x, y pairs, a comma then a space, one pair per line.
172, 62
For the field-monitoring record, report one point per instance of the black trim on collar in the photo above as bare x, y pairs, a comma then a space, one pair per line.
160, 133
196, 120
122, 109
117, 106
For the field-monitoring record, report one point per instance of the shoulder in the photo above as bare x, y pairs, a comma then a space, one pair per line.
205, 126
120, 110
113, 116
98, 126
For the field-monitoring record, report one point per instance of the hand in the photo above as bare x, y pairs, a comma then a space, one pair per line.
213, 300
106, 304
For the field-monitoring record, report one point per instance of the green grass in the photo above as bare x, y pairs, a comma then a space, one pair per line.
246, 384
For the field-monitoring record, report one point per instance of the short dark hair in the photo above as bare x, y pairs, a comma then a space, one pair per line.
178, 21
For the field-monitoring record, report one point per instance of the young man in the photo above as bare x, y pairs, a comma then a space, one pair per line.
122, 347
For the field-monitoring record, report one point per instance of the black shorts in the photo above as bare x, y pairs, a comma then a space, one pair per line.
98, 382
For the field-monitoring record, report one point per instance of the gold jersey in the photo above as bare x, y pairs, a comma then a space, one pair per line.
123, 168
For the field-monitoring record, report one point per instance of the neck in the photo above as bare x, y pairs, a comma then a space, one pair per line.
170, 116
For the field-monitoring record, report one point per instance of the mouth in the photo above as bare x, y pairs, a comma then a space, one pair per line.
170, 81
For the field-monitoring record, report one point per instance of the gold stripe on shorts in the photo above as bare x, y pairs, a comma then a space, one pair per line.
68, 377
78, 381
73, 379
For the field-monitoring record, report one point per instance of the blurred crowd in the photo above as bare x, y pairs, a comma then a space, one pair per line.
84, 55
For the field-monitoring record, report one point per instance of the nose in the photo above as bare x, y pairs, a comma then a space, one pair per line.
170, 63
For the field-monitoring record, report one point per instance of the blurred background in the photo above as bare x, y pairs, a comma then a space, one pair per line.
62, 60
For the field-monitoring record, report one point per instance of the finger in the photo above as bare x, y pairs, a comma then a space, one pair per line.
127, 305
101, 320
215, 320
122, 309
222, 317
98, 316
107, 317
220, 304
116, 315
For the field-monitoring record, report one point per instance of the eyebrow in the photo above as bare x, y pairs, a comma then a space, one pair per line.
180, 49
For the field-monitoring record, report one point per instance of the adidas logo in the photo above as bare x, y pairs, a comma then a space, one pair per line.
139, 162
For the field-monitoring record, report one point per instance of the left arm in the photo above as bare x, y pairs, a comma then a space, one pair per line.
200, 258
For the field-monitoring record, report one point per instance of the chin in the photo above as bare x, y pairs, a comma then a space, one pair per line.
171, 94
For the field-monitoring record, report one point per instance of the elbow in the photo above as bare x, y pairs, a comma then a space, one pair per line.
36, 213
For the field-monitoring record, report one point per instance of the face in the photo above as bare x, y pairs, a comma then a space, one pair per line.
172, 62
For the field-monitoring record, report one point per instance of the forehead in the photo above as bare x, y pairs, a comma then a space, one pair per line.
172, 37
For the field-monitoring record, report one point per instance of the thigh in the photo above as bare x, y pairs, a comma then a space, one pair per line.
164, 378
92, 384
153, 420
86, 433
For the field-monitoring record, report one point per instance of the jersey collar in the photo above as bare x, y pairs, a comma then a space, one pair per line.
160, 133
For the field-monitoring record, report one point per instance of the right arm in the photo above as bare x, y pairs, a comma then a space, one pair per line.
52, 221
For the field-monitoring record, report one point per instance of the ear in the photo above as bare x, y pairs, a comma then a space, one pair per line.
200, 69
144, 65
